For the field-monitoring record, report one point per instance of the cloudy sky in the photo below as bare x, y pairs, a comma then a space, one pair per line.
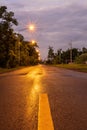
58, 22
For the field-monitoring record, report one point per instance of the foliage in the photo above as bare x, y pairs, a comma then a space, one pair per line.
7, 37
50, 55
64, 56
77, 67
14, 50
28, 55
82, 59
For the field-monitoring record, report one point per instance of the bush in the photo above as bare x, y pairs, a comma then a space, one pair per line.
82, 59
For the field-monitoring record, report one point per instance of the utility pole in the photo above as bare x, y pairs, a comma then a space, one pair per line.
70, 51
60, 55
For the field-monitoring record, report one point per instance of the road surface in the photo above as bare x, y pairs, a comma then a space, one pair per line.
19, 98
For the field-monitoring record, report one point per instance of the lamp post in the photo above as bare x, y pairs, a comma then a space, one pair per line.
38, 54
31, 27
33, 42
70, 52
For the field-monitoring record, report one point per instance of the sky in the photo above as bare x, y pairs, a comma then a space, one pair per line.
58, 22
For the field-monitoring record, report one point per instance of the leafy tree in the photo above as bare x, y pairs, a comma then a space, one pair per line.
50, 55
58, 55
84, 50
63, 56
82, 59
66, 55
29, 55
33, 54
7, 36
14, 50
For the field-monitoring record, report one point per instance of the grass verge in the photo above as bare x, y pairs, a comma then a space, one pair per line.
4, 70
77, 67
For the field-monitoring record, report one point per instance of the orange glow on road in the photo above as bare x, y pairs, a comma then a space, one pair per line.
35, 76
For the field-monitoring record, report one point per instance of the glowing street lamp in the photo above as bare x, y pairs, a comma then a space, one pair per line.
38, 54
31, 27
33, 42
37, 51
39, 58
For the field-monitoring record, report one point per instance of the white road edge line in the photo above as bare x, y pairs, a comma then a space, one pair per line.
44, 115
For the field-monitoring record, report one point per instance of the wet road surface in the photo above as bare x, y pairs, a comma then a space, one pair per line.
19, 98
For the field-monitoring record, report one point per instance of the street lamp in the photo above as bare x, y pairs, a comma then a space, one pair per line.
33, 42
38, 54
31, 27
37, 51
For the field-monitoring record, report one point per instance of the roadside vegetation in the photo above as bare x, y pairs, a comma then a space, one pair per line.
14, 49
63, 59
4, 70
77, 67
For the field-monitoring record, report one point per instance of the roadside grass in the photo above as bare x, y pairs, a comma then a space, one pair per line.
77, 67
4, 70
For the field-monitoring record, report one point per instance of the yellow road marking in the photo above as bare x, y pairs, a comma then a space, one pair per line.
44, 115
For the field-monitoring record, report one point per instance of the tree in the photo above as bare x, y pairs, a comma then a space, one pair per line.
84, 50
7, 36
57, 57
33, 54
62, 56
50, 54
14, 50
66, 55
28, 53
82, 59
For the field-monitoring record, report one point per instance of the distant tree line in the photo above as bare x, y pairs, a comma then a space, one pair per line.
14, 50
60, 56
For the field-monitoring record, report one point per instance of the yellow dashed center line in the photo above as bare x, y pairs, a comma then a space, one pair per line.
44, 115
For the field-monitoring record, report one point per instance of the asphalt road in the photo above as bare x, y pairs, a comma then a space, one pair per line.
19, 97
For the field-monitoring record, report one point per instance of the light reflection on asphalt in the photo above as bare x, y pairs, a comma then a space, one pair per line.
36, 88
